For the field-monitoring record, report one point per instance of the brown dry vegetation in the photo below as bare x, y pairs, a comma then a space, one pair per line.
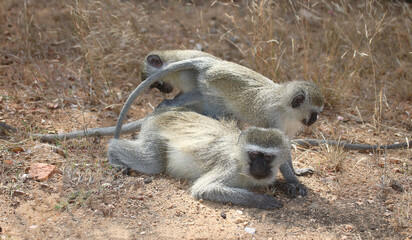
67, 65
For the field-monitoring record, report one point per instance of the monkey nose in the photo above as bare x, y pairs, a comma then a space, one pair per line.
312, 119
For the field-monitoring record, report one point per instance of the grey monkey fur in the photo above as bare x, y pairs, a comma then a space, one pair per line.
214, 154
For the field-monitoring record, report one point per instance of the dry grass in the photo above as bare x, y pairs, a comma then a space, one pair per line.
71, 64
280, 40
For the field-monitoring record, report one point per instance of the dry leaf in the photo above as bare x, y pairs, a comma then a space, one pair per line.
16, 149
395, 161
8, 162
52, 105
41, 171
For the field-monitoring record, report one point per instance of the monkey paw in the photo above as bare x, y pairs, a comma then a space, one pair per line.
304, 171
294, 189
269, 202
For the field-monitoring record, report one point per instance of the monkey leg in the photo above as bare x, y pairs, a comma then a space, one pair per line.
143, 157
293, 185
300, 172
210, 187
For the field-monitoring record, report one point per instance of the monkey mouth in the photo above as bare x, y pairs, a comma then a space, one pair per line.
306, 123
261, 176
311, 120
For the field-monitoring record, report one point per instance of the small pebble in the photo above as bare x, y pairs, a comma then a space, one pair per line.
223, 215
239, 220
396, 186
250, 230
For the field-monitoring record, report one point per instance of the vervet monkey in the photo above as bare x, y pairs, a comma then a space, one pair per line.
218, 88
221, 159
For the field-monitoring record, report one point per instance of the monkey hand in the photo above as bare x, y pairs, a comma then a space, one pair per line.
267, 202
293, 189
304, 171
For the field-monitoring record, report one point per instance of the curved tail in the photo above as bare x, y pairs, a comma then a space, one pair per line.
195, 63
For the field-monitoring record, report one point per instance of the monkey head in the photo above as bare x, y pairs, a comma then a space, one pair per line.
265, 149
152, 63
305, 102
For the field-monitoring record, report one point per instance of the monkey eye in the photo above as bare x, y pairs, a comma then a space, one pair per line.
254, 155
298, 100
155, 61
268, 157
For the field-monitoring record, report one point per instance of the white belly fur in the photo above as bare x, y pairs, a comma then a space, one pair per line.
181, 165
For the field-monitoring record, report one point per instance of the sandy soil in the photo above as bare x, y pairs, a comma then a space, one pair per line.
352, 194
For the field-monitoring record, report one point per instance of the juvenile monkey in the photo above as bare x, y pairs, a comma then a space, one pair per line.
218, 88
222, 160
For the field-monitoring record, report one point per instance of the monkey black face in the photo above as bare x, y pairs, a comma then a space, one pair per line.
163, 87
311, 120
260, 164
155, 61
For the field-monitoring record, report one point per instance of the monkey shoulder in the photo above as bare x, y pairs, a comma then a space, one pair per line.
235, 83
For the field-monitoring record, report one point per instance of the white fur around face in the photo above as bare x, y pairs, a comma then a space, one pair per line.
247, 177
248, 181
255, 148
292, 127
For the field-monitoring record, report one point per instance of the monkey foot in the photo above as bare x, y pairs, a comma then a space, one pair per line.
294, 189
304, 171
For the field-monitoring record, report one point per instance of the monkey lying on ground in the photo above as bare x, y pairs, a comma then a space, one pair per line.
221, 159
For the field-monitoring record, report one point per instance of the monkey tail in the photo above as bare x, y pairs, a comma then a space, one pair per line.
173, 67
351, 146
94, 132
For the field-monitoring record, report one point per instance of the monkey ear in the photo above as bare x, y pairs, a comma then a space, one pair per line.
154, 61
298, 100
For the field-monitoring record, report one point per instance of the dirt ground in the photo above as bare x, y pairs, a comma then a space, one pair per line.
70, 66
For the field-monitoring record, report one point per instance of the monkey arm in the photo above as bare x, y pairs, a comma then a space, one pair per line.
350, 146
294, 187
208, 187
